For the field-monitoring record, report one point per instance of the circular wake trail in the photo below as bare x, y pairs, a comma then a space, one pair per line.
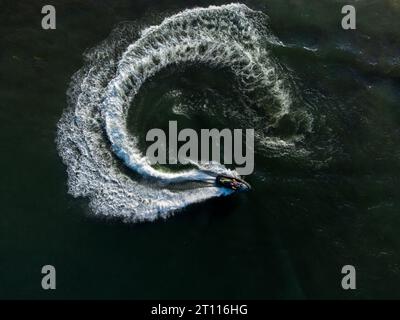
93, 139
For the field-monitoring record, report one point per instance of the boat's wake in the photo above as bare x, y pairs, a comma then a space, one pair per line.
93, 139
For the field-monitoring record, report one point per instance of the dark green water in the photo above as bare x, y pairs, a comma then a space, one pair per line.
289, 238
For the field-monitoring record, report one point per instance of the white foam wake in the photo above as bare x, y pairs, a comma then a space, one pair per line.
93, 130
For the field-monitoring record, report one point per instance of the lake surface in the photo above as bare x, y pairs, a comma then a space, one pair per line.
330, 199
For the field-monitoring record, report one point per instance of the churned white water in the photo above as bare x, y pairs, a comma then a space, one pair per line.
93, 139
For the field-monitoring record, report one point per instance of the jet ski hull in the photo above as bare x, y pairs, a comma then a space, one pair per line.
235, 184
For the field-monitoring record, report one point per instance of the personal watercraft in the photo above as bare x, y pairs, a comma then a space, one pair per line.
235, 184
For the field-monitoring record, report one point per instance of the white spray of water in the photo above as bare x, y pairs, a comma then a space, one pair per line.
93, 130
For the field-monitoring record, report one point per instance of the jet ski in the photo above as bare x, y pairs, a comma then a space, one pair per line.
235, 184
